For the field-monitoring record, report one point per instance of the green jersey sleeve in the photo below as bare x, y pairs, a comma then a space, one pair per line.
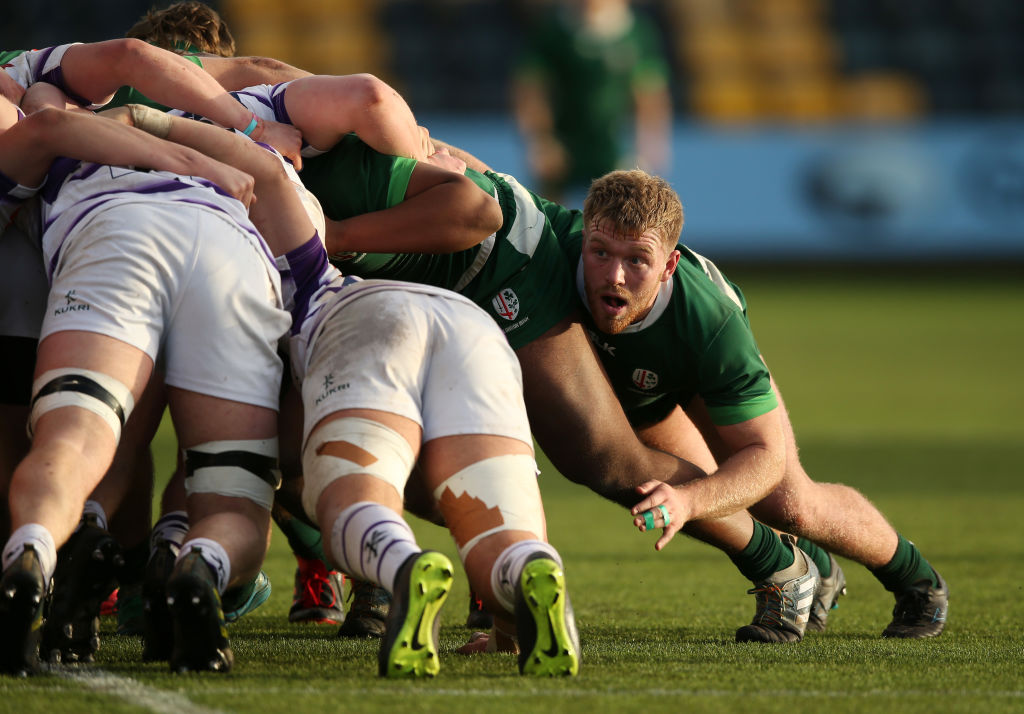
352, 179
734, 381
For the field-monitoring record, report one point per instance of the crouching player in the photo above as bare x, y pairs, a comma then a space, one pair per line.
396, 375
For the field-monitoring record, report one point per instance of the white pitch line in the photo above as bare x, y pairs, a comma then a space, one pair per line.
158, 701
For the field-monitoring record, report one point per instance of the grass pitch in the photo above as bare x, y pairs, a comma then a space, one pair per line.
907, 387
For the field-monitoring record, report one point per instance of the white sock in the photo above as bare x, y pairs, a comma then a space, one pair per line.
508, 566
370, 542
40, 539
95, 509
214, 555
170, 527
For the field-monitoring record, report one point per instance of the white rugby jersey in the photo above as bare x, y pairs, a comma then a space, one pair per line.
43, 66
74, 190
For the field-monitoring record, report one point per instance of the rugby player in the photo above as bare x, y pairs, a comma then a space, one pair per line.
523, 281
673, 335
418, 389
100, 337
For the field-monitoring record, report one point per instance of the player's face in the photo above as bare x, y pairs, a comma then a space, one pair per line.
622, 274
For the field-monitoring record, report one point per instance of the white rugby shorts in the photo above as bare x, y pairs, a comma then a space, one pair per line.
426, 354
181, 278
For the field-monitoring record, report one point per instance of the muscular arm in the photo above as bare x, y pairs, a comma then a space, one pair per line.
278, 213
755, 466
443, 212
234, 73
325, 108
95, 71
29, 147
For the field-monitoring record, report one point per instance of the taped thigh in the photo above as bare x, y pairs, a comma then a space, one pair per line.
353, 445
492, 495
239, 469
96, 392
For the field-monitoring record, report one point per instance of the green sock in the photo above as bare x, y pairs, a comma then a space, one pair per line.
907, 567
304, 540
765, 554
819, 556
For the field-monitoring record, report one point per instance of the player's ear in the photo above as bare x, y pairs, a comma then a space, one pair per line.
670, 265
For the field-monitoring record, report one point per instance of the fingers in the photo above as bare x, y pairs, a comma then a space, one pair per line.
650, 489
658, 510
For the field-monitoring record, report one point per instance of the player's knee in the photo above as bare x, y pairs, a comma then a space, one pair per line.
353, 445
101, 394
490, 496
237, 469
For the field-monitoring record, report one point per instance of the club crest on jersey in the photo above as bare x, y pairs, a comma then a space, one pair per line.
506, 304
645, 379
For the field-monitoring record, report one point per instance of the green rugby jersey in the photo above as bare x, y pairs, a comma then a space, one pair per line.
518, 275
696, 340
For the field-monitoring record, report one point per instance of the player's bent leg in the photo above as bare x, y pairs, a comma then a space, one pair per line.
356, 464
95, 559
493, 509
579, 423
77, 413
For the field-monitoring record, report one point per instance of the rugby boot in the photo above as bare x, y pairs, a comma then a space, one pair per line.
920, 611
200, 635
368, 613
22, 600
88, 567
157, 635
244, 599
783, 608
478, 618
827, 598
409, 647
549, 643
317, 593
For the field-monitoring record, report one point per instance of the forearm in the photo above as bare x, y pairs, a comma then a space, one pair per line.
326, 108
95, 71
424, 223
742, 480
234, 73
41, 137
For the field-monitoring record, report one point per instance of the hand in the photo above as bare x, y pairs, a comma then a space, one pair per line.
283, 137
232, 181
426, 145
663, 508
443, 159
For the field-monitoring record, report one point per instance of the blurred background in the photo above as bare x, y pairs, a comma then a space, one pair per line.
848, 130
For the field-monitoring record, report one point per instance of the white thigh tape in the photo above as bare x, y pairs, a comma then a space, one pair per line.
96, 392
353, 445
495, 494
239, 469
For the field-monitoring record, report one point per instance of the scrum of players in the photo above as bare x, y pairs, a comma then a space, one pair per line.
347, 318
